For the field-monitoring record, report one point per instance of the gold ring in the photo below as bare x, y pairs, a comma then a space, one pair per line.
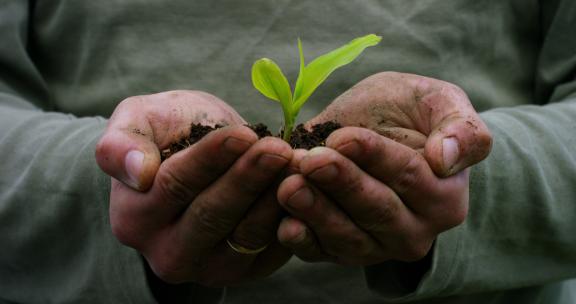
243, 250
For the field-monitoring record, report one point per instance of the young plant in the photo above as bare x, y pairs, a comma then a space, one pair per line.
267, 77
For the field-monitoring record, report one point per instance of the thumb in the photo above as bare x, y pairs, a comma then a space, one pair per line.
456, 143
129, 155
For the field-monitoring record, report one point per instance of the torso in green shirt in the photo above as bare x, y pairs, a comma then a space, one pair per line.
92, 54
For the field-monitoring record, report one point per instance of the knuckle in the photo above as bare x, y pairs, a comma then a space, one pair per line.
349, 245
381, 217
354, 244
386, 213
209, 219
336, 246
251, 188
353, 182
453, 91
206, 162
173, 187
409, 175
130, 103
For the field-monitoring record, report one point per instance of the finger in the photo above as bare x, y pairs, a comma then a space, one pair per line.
127, 150
258, 227
348, 185
187, 173
294, 166
406, 172
294, 234
201, 230
141, 126
458, 137
337, 234
219, 208
373, 206
224, 268
178, 182
394, 103
456, 143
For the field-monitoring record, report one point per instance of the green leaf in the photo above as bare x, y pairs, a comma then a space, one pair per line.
267, 77
320, 68
299, 81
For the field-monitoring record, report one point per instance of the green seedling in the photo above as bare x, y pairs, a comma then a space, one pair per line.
267, 77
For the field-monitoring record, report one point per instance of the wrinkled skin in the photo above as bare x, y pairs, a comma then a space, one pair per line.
386, 190
178, 214
383, 188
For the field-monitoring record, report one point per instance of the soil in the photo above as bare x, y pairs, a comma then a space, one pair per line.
300, 139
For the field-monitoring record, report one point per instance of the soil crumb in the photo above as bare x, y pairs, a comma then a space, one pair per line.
300, 139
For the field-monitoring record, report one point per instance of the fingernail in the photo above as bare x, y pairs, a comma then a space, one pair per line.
235, 145
299, 237
325, 174
350, 149
316, 151
302, 199
133, 162
450, 152
271, 161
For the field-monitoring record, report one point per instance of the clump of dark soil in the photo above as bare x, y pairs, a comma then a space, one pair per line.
300, 139
304, 139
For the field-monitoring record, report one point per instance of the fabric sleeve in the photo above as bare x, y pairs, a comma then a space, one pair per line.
520, 228
54, 229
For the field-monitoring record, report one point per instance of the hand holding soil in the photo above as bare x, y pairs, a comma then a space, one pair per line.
383, 188
180, 214
426, 114
369, 198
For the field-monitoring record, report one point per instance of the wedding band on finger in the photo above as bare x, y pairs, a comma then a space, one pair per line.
243, 250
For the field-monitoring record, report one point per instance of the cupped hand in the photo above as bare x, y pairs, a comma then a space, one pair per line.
384, 191
429, 115
180, 214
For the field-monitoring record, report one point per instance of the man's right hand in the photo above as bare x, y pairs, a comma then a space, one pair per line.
180, 214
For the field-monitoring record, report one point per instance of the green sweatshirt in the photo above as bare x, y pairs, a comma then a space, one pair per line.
65, 64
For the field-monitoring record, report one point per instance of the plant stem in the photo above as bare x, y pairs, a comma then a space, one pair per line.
288, 126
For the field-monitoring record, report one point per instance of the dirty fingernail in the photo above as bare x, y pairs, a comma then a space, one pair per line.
350, 149
133, 162
324, 174
235, 145
450, 152
302, 199
272, 161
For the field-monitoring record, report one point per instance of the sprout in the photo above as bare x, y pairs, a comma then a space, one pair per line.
267, 77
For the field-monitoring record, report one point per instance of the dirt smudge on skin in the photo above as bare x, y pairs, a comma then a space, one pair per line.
138, 132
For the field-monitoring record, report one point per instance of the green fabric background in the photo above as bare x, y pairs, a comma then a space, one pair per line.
65, 64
